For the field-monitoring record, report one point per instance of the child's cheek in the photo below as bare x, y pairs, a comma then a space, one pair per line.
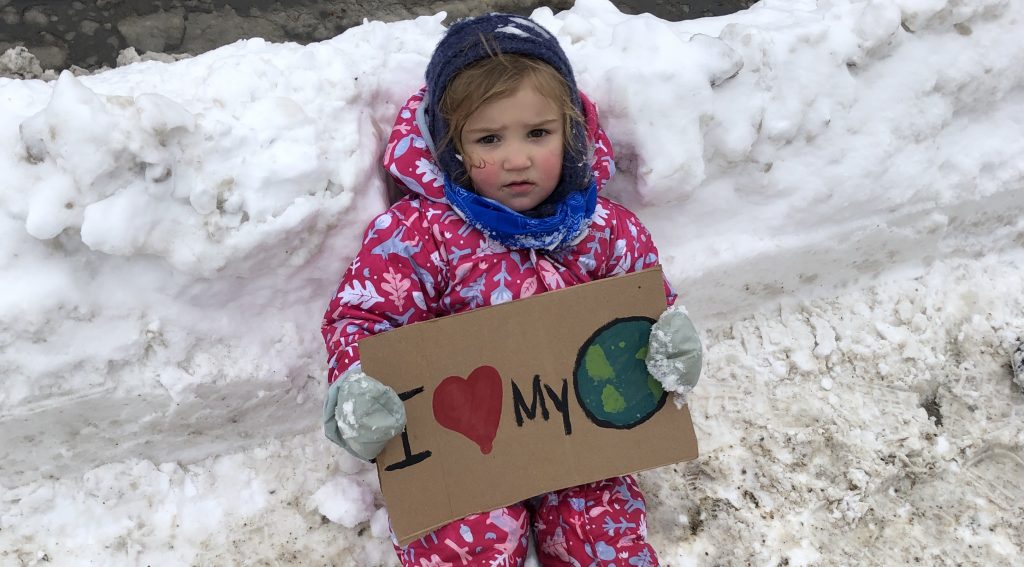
550, 164
485, 177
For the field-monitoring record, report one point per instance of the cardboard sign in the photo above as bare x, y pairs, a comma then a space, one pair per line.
515, 400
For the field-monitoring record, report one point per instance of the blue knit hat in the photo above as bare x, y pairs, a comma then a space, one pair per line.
510, 34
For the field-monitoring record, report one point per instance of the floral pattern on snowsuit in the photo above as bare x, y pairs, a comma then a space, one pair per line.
598, 524
420, 260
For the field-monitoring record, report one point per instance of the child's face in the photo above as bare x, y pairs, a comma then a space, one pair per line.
514, 148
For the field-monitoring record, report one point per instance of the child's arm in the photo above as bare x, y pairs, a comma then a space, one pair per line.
395, 279
361, 414
629, 248
674, 355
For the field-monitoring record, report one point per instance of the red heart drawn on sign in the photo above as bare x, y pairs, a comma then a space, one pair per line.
471, 406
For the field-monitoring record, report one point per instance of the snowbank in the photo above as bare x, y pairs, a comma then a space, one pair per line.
878, 427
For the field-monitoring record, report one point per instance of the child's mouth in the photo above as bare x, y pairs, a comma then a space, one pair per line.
519, 186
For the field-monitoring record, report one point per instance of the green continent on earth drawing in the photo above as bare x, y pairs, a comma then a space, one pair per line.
611, 379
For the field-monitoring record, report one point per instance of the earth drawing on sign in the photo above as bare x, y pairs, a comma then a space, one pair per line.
611, 380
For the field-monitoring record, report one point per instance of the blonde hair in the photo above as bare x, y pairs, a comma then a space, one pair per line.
496, 77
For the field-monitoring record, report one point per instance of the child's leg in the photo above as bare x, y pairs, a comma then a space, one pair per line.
498, 537
601, 522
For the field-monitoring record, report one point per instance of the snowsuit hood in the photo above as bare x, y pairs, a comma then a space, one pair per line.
420, 259
471, 40
409, 154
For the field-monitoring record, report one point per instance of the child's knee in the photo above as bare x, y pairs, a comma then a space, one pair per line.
496, 537
601, 521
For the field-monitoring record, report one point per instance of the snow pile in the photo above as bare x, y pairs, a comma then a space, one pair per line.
19, 62
838, 431
881, 426
172, 233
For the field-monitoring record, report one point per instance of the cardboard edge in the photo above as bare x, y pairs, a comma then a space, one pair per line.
539, 297
696, 454
404, 541
419, 534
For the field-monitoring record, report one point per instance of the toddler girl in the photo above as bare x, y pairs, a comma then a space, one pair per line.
502, 159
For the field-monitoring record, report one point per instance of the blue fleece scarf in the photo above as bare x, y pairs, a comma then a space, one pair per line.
516, 230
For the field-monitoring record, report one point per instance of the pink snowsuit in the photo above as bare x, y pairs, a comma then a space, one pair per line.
421, 260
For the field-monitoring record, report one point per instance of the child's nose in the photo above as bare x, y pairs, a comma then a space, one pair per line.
517, 159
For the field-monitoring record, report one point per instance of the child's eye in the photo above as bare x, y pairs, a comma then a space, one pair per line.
488, 139
539, 133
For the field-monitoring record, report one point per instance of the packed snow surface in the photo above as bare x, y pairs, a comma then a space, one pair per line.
836, 188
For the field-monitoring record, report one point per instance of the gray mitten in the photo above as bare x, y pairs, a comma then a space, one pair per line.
674, 354
361, 414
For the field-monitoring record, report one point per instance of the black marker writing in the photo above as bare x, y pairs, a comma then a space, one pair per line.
523, 411
561, 404
410, 458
